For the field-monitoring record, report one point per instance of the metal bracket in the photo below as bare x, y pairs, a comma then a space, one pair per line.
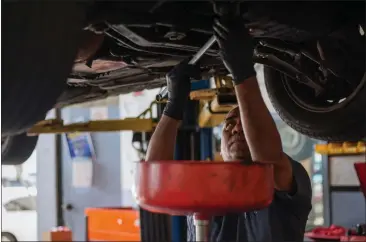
215, 102
209, 107
213, 113
222, 86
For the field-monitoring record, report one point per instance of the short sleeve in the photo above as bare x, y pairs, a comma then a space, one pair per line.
299, 199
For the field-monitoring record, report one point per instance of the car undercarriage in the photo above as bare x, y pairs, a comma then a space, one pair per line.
128, 47
313, 55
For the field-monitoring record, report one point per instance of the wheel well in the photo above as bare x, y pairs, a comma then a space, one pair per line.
12, 236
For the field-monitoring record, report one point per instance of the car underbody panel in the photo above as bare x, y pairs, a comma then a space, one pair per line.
130, 46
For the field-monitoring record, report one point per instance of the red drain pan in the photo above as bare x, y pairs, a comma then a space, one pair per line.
361, 173
209, 188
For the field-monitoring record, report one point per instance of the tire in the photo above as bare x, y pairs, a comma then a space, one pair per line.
15, 150
8, 237
40, 41
346, 123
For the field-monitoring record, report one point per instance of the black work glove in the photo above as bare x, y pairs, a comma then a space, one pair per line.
236, 47
179, 87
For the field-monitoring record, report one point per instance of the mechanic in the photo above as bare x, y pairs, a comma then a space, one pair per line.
249, 133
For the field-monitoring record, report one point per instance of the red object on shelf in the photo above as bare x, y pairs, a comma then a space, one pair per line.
208, 188
332, 233
361, 173
317, 237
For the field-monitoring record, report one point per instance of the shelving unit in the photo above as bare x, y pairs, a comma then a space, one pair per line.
343, 202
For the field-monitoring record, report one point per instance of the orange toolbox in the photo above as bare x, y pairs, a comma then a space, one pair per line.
112, 224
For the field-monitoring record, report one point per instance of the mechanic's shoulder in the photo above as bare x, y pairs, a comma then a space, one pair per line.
298, 166
299, 170
300, 174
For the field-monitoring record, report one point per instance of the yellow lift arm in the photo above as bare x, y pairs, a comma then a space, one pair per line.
214, 104
57, 126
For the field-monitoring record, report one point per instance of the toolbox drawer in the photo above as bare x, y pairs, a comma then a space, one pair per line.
112, 224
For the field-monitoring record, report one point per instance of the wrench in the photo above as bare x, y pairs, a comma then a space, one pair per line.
164, 93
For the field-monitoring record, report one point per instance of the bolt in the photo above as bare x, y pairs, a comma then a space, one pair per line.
361, 30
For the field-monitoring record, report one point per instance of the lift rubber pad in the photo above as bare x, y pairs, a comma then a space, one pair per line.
209, 188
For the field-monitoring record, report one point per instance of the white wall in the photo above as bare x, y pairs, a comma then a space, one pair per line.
131, 105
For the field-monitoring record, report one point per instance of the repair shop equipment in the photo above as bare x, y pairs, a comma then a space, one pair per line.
143, 123
216, 101
112, 224
164, 93
341, 148
203, 188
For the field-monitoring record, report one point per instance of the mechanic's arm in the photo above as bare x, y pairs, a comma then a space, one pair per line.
162, 142
261, 133
259, 128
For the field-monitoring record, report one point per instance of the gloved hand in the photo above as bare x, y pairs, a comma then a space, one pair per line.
236, 47
179, 87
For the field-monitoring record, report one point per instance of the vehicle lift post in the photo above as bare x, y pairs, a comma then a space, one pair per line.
200, 148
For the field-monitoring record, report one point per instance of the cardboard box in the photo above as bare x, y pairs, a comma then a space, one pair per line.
57, 234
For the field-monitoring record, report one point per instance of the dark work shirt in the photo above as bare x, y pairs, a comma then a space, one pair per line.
284, 220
